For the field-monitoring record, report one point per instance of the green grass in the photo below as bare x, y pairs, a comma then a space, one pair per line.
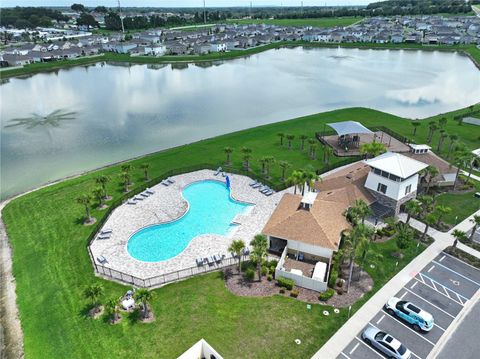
463, 205
320, 22
51, 266
470, 50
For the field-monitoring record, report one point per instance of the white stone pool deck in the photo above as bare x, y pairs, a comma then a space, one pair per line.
167, 204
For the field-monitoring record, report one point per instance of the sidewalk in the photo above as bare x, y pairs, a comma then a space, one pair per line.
360, 319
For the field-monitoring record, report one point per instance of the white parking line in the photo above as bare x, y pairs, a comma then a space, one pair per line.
441, 259
345, 355
430, 269
378, 321
369, 347
354, 348
458, 260
403, 295
444, 289
461, 275
447, 313
413, 331
439, 327
413, 285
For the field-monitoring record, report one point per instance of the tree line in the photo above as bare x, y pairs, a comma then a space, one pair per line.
30, 17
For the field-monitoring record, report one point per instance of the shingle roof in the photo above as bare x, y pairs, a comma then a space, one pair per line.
320, 226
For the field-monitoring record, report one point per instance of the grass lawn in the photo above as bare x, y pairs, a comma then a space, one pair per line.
320, 22
51, 267
463, 205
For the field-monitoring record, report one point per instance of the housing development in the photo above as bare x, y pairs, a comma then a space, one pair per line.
298, 182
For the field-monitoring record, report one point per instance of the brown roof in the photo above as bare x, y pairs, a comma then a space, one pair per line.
320, 226
346, 185
432, 159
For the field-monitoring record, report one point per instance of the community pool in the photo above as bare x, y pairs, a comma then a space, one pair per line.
211, 211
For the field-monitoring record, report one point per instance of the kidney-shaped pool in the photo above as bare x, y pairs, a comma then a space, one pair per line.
211, 211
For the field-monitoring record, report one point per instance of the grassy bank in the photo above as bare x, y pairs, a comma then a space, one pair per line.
471, 50
51, 264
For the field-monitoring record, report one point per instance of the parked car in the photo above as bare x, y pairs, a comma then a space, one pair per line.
420, 319
385, 343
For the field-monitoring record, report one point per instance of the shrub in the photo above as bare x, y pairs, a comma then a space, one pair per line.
332, 281
294, 293
249, 274
326, 295
273, 263
269, 277
264, 270
282, 290
286, 283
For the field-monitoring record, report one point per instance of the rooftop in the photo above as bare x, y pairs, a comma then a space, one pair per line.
348, 127
396, 164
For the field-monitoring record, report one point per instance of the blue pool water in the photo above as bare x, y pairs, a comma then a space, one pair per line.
211, 211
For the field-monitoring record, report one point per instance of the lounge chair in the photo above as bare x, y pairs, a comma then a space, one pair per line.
265, 190
138, 198
219, 169
169, 180
224, 174
210, 260
144, 194
253, 183
258, 185
104, 236
149, 191
165, 183
199, 262
300, 257
101, 259
217, 258
269, 193
131, 201
106, 231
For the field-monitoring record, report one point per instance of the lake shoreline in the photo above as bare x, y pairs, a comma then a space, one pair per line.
471, 51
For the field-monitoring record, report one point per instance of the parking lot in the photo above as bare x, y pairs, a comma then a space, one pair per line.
442, 288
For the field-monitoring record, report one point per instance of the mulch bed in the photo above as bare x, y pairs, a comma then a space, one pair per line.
356, 291
238, 285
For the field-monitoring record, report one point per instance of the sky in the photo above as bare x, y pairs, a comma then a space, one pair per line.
181, 3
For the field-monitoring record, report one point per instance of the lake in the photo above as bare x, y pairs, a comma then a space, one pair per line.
81, 118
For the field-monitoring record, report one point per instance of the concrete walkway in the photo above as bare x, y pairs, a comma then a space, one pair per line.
472, 176
360, 319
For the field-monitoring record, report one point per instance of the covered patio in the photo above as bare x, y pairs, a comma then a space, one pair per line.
352, 134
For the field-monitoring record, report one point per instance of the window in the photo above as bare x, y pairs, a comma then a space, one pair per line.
382, 188
408, 189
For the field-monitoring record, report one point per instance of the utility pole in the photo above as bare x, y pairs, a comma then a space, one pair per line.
120, 14
204, 13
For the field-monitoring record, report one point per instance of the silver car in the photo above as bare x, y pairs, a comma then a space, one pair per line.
385, 343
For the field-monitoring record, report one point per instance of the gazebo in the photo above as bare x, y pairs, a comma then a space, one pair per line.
349, 133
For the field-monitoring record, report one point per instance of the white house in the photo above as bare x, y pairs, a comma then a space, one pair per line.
393, 179
155, 50
419, 149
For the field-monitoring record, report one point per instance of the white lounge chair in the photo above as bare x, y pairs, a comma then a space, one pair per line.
170, 180
144, 194
101, 259
258, 185
199, 262
165, 183
253, 183
149, 191
138, 198
104, 236
131, 201
106, 231
219, 169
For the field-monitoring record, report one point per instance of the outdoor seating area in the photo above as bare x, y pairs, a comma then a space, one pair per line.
210, 260
167, 182
219, 171
141, 196
267, 191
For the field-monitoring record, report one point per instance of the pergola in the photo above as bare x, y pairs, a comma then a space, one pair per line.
348, 132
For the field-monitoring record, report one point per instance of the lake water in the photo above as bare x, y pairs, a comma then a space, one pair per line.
119, 112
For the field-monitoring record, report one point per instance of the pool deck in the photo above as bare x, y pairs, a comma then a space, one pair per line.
167, 204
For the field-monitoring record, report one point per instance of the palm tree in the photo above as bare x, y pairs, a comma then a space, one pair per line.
432, 127
362, 209
145, 167
430, 220
126, 169
363, 248
247, 155
429, 173
426, 203
295, 179
327, 153
259, 245
269, 160
311, 142
372, 149
282, 136
453, 139
290, 138
125, 177
145, 296
469, 158
112, 308
412, 208
443, 136
404, 236
459, 236
237, 246
86, 200
302, 138
102, 181
415, 125
284, 165
228, 151
442, 122
352, 241
313, 149
98, 194
93, 292
460, 161
263, 162
476, 222
308, 178
441, 211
